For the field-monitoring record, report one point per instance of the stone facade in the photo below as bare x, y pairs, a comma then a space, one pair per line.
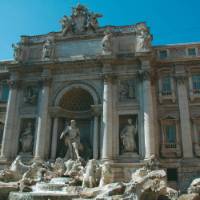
104, 77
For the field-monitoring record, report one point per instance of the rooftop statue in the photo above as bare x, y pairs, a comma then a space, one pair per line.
81, 20
48, 49
144, 38
18, 52
107, 43
66, 23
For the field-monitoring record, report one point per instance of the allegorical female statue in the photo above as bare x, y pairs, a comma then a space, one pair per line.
71, 136
128, 137
48, 50
107, 43
26, 139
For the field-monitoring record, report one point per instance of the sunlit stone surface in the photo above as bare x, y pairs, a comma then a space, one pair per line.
98, 112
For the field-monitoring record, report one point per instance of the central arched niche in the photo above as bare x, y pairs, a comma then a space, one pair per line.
77, 104
77, 100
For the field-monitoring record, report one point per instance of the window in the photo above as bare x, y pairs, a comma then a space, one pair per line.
172, 174
191, 52
196, 84
4, 91
170, 134
166, 86
163, 54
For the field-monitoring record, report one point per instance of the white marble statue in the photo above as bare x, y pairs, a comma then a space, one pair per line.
48, 50
128, 137
106, 174
93, 21
66, 23
144, 38
18, 52
71, 136
89, 177
107, 43
26, 139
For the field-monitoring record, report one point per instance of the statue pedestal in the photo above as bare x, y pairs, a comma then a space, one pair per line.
130, 157
26, 157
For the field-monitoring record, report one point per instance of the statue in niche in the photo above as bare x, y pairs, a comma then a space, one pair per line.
31, 95
71, 136
107, 43
66, 23
144, 37
26, 139
128, 137
127, 90
48, 49
18, 52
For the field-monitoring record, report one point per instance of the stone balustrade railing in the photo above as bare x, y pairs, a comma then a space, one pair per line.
3, 69
180, 51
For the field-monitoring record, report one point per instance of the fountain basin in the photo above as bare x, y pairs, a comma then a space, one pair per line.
41, 196
56, 184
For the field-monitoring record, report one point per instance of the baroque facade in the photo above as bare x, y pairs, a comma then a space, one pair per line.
130, 100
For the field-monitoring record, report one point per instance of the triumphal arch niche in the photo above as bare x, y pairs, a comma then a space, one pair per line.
79, 102
87, 81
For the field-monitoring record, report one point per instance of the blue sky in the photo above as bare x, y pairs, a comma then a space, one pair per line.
171, 21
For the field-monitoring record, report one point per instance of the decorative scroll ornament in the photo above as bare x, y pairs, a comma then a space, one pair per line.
81, 21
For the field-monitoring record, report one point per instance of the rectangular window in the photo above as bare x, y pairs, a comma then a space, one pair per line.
163, 54
170, 136
4, 92
166, 86
196, 84
191, 51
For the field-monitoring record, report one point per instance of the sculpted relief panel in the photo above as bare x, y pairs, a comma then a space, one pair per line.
127, 90
31, 94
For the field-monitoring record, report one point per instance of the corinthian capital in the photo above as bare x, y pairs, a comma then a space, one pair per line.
109, 77
14, 84
46, 81
144, 75
181, 79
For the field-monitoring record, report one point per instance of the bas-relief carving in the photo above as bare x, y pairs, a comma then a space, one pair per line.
31, 95
128, 134
127, 90
26, 139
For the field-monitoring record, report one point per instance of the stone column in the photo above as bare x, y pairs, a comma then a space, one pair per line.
96, 109
54, 138
184, 112
107, 145
149, 132
9, 128
95, 138
42, 137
